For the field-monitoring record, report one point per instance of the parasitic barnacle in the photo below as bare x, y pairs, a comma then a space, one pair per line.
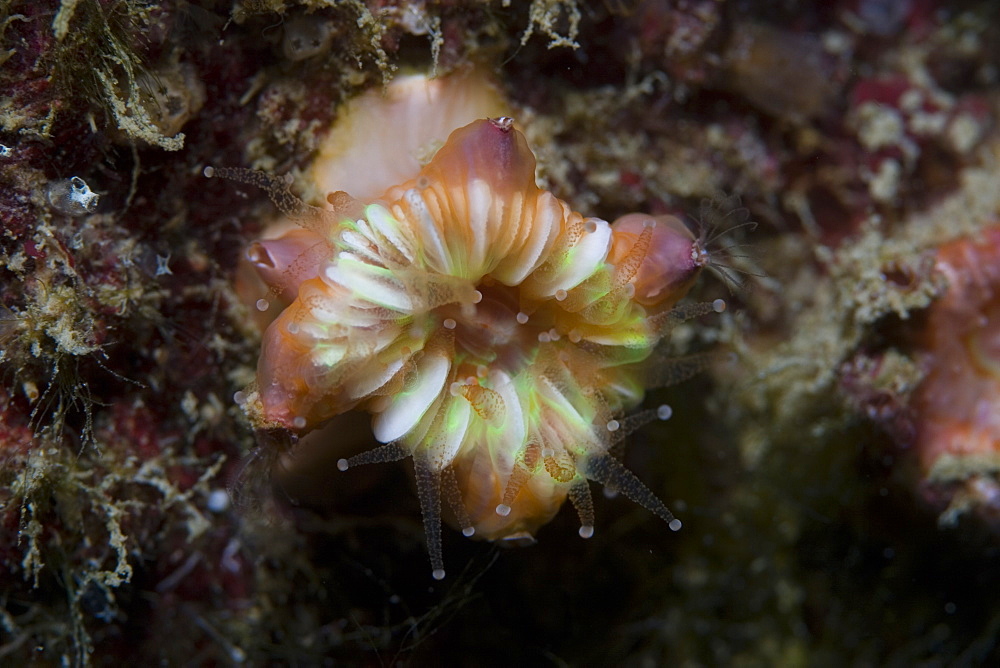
496, 336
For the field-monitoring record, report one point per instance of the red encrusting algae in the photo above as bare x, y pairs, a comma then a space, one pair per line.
957, 405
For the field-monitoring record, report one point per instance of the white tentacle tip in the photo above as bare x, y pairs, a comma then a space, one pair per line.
342, 465
586, 531
438, 574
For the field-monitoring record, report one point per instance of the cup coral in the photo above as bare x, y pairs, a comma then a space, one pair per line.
495, 335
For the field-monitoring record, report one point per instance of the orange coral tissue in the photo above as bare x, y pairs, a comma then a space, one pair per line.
494, 335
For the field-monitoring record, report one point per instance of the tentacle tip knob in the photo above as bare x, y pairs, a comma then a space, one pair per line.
719, 305
503, 510
209, 171
586, 531
469, 532
342, 465
664, 412
675, 524
438, 574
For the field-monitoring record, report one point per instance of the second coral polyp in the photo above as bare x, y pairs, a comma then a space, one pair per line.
494, 334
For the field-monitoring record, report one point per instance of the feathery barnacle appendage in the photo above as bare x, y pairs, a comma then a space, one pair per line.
721, 222
495, 335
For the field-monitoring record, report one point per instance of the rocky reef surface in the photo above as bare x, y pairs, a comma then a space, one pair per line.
837, 470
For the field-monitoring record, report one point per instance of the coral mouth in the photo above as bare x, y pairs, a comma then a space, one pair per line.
493, 333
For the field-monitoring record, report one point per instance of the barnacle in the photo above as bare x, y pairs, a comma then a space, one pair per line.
495, 335
72, 197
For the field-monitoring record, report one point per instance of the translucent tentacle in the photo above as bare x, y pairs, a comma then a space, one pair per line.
626, 427
523, 466
674, 370
609, 471
310, 217
390, 452
665, 322
560, 465
579, 496
487, 403
429, 492
454, 496
629, 424
628, 268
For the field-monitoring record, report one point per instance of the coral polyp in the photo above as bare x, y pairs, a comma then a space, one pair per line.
495, 335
